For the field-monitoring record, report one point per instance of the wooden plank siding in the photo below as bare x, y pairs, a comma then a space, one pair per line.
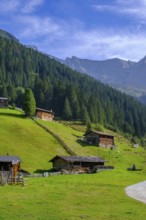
59, 163
10, 165
3, 102
44, 114
106, 140
99, 139
70, 162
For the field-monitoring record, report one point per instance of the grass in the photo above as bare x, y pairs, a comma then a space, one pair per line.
22, 137
121, 157
67, 197
73, 197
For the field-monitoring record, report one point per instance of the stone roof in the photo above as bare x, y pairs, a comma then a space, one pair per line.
91, 159
3, 98
44, 110
10, 159
99, 133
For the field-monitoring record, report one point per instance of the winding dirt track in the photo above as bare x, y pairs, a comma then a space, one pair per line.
137, 191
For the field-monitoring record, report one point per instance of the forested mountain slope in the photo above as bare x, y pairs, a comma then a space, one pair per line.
71, 95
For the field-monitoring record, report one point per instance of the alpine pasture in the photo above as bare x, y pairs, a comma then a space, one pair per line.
67, 197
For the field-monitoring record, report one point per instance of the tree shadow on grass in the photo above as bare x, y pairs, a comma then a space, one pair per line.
51, 170
41, 171
12, 115
77, 136
83, 143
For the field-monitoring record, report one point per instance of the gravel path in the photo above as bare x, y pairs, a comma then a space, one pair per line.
137, 191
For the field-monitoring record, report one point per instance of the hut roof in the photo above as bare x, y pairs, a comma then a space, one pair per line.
3, 98
44, 110
10, 159
99, 133
79, 158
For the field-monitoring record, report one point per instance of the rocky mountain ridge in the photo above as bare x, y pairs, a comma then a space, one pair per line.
125, 75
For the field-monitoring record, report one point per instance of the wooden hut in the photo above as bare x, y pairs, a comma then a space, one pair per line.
10, 165
44, 114
3, 102
97, 138
70, 162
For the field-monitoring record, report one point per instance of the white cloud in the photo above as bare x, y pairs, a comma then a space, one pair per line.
19, 6
99, 45
130, 7
9, 6
31, 5
63, 39
35, 27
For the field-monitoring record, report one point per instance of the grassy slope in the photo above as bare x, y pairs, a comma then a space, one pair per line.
67, 197
22, 137
122, 157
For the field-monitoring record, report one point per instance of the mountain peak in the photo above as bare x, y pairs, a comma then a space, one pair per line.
143, 60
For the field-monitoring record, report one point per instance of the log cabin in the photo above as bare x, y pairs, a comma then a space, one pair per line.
100, 139
3, 102
71, 162
10, 164
44, 114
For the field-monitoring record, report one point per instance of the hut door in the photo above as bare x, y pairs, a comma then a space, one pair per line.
94, 141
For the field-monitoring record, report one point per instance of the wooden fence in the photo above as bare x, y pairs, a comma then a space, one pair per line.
7, 178
68, 150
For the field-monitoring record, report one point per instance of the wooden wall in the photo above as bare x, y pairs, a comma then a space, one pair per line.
3, 103
45, 115
92, 139
59, 163
106, 141
97, 139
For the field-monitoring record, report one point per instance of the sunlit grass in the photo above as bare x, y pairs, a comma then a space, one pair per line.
98, 196
122, 157
22, 137
72, 197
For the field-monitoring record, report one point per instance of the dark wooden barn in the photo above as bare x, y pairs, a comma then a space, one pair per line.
71, 162
3, 102
44, 114
99, 139
11, 165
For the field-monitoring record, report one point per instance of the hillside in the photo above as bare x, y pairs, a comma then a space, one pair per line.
70, 94
123, 156
67, 196
7, 35
22, 137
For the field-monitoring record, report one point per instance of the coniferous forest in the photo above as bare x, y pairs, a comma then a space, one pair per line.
71, 95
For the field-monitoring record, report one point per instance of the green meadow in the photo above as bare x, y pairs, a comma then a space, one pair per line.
123, 156
99, 196
22, 137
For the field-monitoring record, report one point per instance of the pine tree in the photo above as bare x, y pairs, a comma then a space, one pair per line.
29, 104
88, 128
3, 91
11, 93
84, 115
67, 110
76, 110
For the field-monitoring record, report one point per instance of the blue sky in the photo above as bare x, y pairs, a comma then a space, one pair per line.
92, 29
